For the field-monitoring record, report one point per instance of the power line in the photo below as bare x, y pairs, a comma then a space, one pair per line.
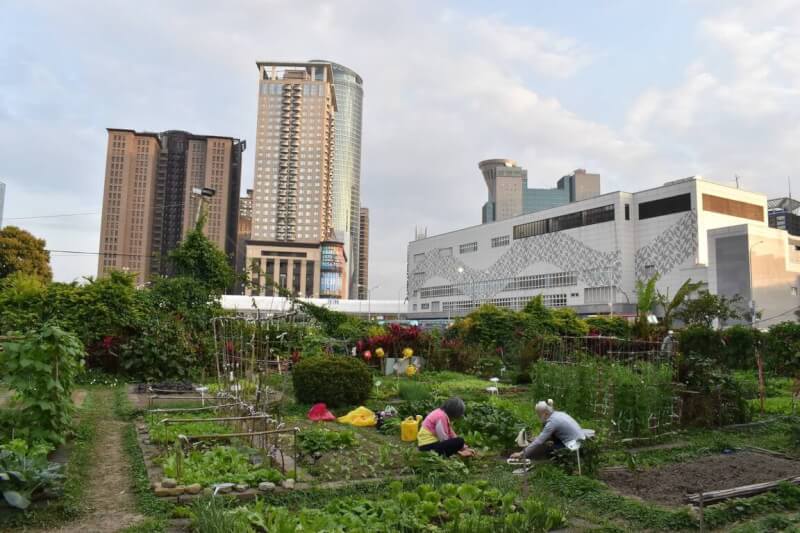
54, 216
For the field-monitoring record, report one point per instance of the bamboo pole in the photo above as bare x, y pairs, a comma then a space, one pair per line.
738, 492
221, 419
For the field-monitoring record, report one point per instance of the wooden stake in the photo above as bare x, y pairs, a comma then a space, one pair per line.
761, 388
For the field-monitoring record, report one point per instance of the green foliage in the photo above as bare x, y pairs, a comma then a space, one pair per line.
200, 259
24, 469
625, 396
782, 349
707, 307
715, 397
414, 391
609, 326
317, 440
469, 508
670, 305
645, 300
336, 381
220, 464
167, 433
487, 367
215, 515
21, 252
497, 426
41, 368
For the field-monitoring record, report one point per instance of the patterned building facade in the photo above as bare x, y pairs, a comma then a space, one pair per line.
587, 255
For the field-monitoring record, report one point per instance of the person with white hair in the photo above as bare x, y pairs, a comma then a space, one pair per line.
559, 428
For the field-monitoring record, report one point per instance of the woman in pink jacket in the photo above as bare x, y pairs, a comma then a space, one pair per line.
436, 433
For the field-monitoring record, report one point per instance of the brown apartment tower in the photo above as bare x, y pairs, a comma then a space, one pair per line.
148, 200
293, 242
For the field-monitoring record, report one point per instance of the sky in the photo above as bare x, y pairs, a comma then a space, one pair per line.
641, 92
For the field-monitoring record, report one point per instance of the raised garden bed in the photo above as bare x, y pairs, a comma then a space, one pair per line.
671, 484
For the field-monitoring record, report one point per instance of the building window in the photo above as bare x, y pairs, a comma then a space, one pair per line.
446, 252
665, 206
435, 306
501, 241
468, 248
418, 258
425, 307
578, 219
627, 211
309, 279
296, 266
520, 283
598, 295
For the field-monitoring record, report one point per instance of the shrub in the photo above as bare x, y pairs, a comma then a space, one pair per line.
488, 367
335, 381
414, 391
721, 399
782, 348
609, 326
701, 339
738, 350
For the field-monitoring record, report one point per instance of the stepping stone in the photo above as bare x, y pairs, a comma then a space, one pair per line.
195, 488
266, 486
169, 483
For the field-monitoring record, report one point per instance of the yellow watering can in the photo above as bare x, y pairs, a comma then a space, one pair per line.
409, 428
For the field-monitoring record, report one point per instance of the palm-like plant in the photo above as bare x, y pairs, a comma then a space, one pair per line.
645, 300
671, 305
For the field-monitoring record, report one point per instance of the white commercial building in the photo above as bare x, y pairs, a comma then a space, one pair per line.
588, 255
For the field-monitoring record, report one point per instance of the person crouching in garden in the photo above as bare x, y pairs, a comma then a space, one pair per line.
436, 433
559, 428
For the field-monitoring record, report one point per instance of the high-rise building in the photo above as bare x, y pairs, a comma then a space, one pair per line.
363, 254
2, 201
149, 200
346, 175
293, 231
245, 226
509, 195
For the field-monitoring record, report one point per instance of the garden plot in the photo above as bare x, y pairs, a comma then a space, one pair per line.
671, 484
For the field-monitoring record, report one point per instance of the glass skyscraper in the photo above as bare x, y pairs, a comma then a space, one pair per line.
346, 178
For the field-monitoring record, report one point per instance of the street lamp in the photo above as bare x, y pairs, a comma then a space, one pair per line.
369, 299
202, 193
759, 361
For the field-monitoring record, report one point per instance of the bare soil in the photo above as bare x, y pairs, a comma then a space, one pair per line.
671, 483
108, 496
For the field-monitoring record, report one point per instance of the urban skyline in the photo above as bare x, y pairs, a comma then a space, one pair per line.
639, 94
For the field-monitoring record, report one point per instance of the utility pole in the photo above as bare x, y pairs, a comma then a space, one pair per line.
759, 361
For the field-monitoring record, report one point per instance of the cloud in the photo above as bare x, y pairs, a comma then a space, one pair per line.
445, 87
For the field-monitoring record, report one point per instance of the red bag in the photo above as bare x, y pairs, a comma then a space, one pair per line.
319, 413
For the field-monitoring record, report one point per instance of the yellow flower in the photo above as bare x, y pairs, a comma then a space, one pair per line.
407, 353
411, 370
379, 353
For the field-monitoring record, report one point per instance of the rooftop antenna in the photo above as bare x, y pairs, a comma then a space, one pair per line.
736, 177
789, 181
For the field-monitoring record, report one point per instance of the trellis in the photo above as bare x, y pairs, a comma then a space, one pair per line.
594, 361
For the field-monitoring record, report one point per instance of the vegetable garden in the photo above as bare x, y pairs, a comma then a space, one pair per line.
194, 420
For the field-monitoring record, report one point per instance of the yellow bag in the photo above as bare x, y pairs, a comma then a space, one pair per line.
409, 428
360, 417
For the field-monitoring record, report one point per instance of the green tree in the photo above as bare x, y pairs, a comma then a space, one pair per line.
200, 259
670, 305
707, 307
22, 252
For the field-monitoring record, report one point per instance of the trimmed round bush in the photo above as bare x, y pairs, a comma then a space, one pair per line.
336, 381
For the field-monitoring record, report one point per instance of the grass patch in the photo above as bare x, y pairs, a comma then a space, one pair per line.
146, 502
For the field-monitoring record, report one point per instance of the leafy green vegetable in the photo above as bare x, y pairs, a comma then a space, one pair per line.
316, 440
221, 464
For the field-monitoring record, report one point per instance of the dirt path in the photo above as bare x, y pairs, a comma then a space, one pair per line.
108, 496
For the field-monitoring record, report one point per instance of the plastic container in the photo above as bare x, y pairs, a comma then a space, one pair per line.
409, 428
